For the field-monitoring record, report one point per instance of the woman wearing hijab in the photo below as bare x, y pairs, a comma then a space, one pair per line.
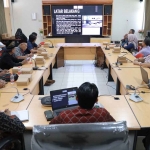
132, 42
20, 36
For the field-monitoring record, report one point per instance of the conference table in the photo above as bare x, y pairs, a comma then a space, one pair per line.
119, 109
34, 87
37, 116
141, 110
5, 102
130, 76
136, 114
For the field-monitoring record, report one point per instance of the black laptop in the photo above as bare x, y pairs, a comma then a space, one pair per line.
63, 99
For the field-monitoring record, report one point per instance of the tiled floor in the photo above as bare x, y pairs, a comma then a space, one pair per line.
77, 72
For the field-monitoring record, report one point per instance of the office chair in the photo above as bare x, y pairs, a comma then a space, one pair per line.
18, 142
85, 136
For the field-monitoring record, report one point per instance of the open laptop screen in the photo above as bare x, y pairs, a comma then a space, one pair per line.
144, 75
63, 98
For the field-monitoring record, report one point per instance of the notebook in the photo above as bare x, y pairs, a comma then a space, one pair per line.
23, 115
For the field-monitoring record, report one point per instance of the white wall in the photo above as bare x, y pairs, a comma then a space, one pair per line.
127, 14
21, 11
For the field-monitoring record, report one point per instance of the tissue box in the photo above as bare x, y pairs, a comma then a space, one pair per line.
45, 54
29, 76
41, 49
122, 59
39, 58
105, 43
22, 82
40, 62
15, 70
111, 46
116, 50
26, 70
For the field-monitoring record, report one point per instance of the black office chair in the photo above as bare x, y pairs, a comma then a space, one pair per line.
17, 141
87, 136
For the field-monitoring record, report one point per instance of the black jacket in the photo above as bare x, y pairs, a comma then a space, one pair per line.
8, 61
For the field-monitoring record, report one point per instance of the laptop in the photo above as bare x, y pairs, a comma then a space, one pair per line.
63, 99
145, 76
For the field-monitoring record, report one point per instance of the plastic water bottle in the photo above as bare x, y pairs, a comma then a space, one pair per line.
12, 79
19, 70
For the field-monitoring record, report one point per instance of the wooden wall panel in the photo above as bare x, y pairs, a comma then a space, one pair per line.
77, 2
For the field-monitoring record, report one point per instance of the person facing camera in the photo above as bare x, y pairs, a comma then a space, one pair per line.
87, 96
8, 61
31, 46
132, 43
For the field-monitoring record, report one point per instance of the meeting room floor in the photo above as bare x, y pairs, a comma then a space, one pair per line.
77, 72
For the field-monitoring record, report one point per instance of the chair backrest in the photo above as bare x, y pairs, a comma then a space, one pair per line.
85, 136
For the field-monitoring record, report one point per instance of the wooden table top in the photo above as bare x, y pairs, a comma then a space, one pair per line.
141, 109
5, 102
78, 44
132, 76
118, 109
112, 58
36, 113
36, 76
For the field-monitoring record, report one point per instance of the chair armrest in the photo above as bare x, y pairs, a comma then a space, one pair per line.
8, 140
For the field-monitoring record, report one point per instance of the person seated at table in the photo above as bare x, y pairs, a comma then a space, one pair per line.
19, 51
35, 34
10, 125
143, 61
31, 46
8, 61
125, 39
145, 51
132, 43
20, 36
87, 96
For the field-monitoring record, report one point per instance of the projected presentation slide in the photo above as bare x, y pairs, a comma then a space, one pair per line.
91, 24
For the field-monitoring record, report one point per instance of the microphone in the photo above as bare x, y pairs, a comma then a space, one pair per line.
106, 48
135, 97
36, 67
17, 98
51, 43
118, 59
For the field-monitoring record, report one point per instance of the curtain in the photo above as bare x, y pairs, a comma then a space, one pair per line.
3, 28
147, 16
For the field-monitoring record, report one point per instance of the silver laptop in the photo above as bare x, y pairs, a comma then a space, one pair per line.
145, 76
63, 99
